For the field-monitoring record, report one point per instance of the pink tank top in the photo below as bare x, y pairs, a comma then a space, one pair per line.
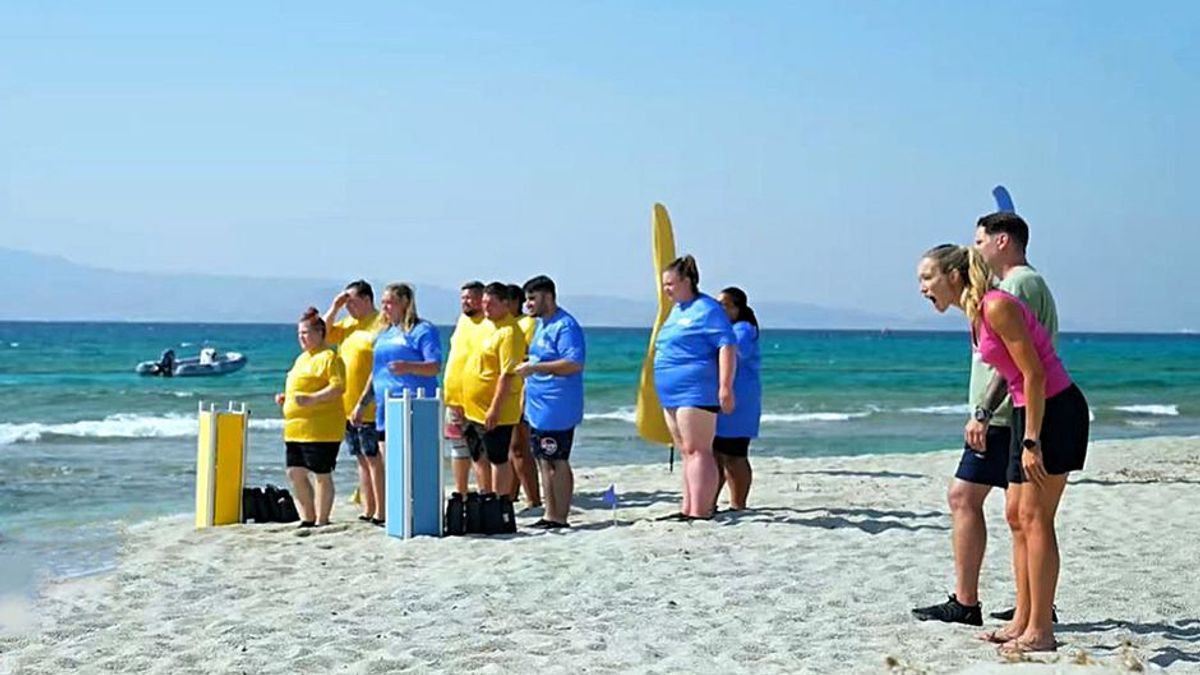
994, 352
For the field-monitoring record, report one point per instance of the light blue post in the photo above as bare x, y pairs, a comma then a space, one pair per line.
413, 466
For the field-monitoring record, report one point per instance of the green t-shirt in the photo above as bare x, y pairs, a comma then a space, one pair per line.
1025, 283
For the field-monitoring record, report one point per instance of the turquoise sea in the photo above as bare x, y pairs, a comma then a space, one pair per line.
87, 446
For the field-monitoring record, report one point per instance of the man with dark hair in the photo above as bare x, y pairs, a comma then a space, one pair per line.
462, 344
1001, 239
553, 395
490, 399
354, 337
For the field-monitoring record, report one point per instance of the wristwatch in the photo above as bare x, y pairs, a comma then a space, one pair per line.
983, 415
1030, 444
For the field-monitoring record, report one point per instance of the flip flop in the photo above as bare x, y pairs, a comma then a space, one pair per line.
673, 516
365, 518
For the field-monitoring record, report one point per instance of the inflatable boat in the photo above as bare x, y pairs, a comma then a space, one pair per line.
208, 363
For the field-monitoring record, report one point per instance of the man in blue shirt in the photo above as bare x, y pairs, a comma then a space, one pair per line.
553, 396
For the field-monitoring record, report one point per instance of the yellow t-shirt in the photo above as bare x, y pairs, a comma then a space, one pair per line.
320, 422
528, 325
462, 343
355, 340
500, 347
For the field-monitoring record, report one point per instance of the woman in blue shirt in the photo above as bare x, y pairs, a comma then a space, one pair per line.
695, 356
731, 447
408, 354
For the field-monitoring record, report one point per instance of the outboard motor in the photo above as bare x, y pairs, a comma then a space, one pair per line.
166, 363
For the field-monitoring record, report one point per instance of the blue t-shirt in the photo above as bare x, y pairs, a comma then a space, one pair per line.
747, 387
555, 402
420, 345
685, 354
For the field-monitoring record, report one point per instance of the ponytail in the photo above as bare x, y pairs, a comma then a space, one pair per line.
686, 268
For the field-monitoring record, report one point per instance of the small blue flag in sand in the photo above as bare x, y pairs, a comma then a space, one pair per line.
610, 496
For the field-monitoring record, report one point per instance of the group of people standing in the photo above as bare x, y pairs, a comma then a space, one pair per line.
513, 390
512, 386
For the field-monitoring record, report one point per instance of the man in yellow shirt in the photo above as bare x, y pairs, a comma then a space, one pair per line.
462, 343
491, 401
354, 336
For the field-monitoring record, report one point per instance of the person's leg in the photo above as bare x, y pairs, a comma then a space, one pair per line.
671, 417
547, 469
377, 482
739, 476
524, 468
563, 487
324, 496
461, 468
1012, 514
366, 495
302, 493
720, 459
969, 537
697, 428
473, 435
1038, 507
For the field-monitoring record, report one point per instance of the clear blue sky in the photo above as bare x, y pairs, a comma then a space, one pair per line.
807, 151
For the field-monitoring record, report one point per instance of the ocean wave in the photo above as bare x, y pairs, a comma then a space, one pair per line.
956, 409
1168, 410
630, 415
121, 425
620, 415
801, 418
1141, 423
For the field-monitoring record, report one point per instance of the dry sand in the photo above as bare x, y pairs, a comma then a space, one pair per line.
818, 577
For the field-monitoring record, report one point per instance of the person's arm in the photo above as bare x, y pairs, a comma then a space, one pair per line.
1006, 320
331, 391
503, 386
365, 399
422, 368
727, 364
993, 397
333, 332
509, 357
561, 367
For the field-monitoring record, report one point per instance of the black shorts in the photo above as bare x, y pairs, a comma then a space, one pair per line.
316, 457
714, 409
551, 445
991, 467
1064, 435
732, 446
494, 444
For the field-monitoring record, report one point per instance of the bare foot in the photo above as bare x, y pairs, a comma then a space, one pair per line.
1000, 635
1028, 643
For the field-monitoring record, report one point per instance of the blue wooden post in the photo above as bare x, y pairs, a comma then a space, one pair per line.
413, 465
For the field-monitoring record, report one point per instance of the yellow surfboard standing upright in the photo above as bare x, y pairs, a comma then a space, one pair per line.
650, 423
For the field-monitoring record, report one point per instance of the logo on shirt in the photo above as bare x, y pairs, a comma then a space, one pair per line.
684, 322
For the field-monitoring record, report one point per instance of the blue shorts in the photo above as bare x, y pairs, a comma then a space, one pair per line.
551, 444
362, 440
990, 468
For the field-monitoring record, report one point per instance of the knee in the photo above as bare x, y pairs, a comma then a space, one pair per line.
693, 449
1032, 519
963, 501
297, 473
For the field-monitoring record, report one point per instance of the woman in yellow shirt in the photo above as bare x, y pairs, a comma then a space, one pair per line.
313, 420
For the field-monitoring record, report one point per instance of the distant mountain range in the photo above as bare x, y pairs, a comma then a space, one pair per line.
39, 287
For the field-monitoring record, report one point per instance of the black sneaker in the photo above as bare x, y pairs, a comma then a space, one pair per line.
951, 611
1007, 614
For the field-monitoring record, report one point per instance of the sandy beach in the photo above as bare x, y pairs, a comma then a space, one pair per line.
819, 576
